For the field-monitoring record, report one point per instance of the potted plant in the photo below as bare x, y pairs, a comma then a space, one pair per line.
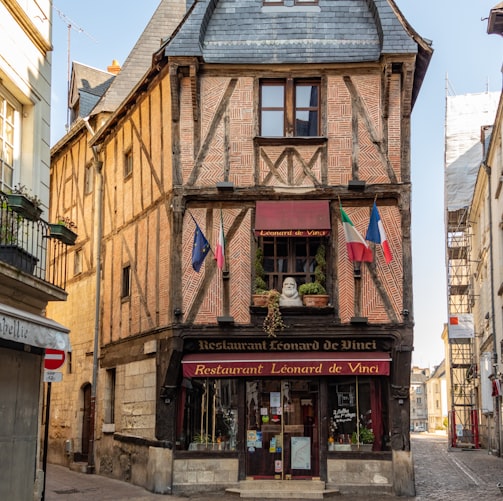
201, 441
273, 321
63, 230
23, 203
260, 287
10, 250
363, 439
314, 293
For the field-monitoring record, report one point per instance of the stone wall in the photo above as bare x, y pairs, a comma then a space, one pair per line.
204, 475
349, 475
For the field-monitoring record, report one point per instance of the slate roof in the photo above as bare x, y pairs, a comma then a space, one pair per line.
161, 25
336, 31
88, 84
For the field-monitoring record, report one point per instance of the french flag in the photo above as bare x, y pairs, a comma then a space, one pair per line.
376, 233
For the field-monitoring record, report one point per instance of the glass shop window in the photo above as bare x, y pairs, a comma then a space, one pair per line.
356, 415
208, 415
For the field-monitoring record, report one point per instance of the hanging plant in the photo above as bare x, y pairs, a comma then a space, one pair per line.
273, 321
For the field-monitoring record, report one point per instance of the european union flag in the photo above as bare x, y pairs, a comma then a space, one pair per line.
200, 249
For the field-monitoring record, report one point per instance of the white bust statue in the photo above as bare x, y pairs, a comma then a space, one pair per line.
289, 294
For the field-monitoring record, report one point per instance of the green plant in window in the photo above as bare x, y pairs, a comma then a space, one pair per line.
318, 286
321, 265
365, 436
312, 288
273, 321
202, 438
260, 285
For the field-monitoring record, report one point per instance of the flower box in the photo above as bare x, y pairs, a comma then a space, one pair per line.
259, 300
315, 300
62, 233
23, 206
18, 257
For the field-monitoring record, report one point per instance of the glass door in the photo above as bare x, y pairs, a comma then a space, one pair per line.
282, 434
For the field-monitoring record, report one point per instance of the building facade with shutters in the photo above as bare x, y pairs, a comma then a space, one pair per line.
259, 134
32, 259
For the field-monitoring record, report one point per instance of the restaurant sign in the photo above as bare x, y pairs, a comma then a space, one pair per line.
286, 365
282, 345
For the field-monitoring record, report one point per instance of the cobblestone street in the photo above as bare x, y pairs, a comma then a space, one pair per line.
460, 475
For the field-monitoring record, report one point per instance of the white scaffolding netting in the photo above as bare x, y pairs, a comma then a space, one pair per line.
464, 117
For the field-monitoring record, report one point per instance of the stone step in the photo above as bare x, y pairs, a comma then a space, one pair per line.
78, 466
283, 489
277, 494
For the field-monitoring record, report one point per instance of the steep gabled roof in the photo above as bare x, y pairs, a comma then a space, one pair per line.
161, 25
246, 31
87, 85
342, 31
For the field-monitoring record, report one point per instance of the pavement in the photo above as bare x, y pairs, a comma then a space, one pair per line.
440, 474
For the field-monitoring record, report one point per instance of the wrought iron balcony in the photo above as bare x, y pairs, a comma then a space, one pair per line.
26, 243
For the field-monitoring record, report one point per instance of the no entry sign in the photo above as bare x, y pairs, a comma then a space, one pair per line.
54, 359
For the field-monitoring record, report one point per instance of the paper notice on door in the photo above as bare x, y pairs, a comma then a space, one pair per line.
251, 438
275, 399
301, 453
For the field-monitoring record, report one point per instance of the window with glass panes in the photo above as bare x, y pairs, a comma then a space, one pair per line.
207, 415
289, 257
289, 107
7, 129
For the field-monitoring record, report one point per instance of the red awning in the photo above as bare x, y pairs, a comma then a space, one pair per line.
292, 218
285, 364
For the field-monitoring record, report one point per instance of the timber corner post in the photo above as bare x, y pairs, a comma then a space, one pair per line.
403, 466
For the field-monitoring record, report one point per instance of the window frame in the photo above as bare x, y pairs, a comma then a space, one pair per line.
14, 141
88, 178
290, 107
77, 261
275, 3
126, 282
222, 400
274, 279
128, 163
110, 396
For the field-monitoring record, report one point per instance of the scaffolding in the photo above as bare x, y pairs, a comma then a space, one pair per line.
463, 417
464, 117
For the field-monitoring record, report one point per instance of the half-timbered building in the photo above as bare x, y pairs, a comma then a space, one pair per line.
261, 132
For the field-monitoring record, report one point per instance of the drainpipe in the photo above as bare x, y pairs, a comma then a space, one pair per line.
98, 165
497, 408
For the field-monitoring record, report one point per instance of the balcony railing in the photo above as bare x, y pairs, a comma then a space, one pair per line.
26, 244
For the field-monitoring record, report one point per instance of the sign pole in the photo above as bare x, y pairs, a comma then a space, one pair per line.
46, 436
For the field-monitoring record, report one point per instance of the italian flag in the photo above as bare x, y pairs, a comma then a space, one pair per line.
220, 249
358, 249
376, 233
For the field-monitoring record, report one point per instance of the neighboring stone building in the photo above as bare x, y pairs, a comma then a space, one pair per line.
436, 394
32, 264
418, 399
254, 125
475, 248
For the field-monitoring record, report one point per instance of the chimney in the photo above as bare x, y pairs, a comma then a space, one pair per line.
114, 67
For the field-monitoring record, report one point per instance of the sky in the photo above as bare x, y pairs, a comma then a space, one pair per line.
466, 60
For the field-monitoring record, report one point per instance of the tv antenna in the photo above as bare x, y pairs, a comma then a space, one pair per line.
70, 25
